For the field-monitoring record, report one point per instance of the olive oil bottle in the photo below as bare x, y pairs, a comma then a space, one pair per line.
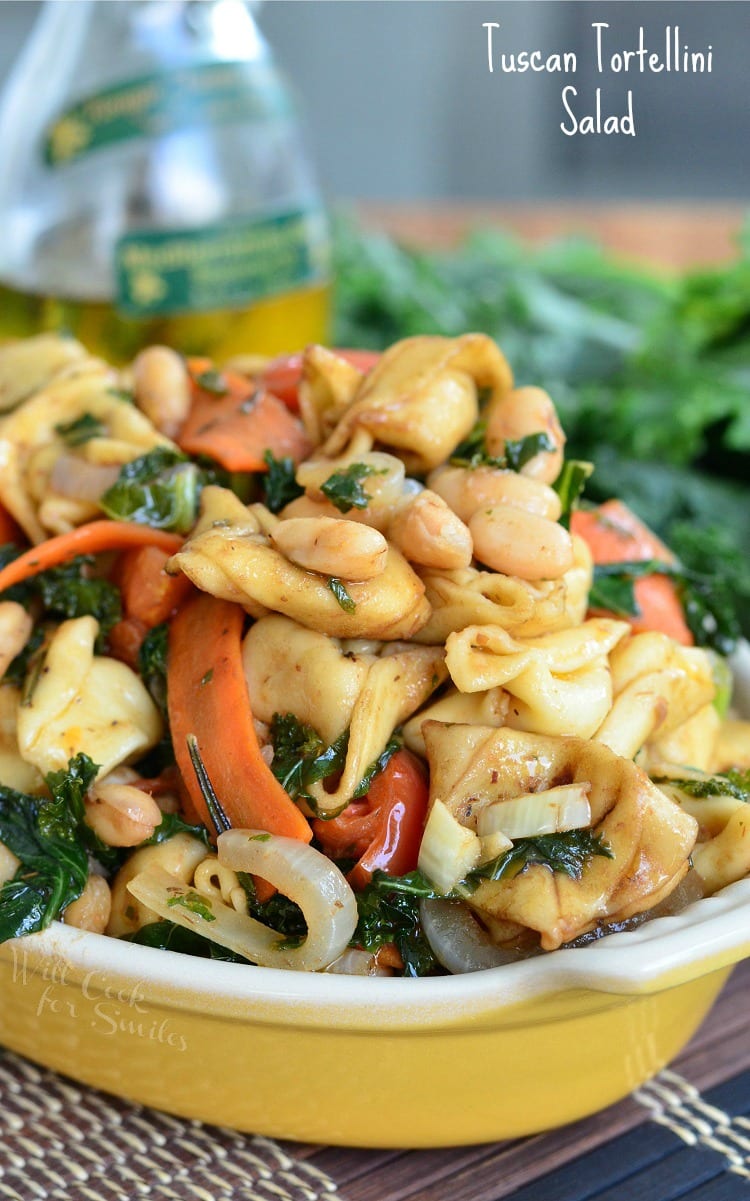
156, 186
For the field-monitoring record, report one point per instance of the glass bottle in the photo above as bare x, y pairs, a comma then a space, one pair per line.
155, 184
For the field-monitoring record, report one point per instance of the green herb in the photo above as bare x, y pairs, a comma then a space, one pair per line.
389, 913
280, 485
152, 664
707, 605
52, 840
83, 429
300, 757
66, 591
208, 677
171, 824
473, 453
123, 394
649, 373
259, 837
344, 488
195, 903
19, 667
566, 853
160, 489
279, 913
167, 936
376, 767
732, 784
520, 452
341, 594
569, 486
212, 381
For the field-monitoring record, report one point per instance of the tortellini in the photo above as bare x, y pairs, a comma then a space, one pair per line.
560, 683
230, 562
649, 837
292, 669
50, 487
472, 596
85, 703
416, 379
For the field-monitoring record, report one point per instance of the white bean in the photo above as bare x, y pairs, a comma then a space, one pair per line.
521, 544
520, 413
332, 546
15, 630
92, 909
162, 388
467, 489
121, 815
428, 532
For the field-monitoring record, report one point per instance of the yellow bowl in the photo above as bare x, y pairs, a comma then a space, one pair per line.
372, 1061
378, 1062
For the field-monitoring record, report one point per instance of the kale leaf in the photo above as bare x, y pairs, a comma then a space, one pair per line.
390, 748
344, 488
707, 604
280, 485
473, 453
83, 429
212, 381
65, 591
389, 913
567, 853
732, 784
51, 839
152, 664
160, 489
569, 486
300, 757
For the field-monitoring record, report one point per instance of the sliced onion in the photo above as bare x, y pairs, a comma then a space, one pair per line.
356, 962
458, 941
76, 477
297, 870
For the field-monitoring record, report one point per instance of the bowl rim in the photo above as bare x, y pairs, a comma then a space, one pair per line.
710, 934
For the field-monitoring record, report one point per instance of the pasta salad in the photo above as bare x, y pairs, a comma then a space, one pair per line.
326, 663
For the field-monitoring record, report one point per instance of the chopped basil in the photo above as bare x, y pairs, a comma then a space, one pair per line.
567, 853
280, 485
195, 903
83, 429
344, 488
341, 594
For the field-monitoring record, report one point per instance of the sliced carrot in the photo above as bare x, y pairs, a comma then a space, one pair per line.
207, 697
124, 640
615, 535
237, 427
282, 375
89, 539
148, 594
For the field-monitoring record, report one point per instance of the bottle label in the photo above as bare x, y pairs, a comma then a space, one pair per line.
221, 266
152, 105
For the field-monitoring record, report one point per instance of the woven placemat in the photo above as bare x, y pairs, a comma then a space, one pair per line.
64, 1143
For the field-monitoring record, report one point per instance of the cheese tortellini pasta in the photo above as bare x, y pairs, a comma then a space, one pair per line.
351, 686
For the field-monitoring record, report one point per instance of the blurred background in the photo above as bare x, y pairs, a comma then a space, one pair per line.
400, 105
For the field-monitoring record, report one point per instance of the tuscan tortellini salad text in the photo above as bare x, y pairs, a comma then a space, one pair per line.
326, 663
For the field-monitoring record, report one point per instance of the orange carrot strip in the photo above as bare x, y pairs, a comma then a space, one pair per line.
89, 539
149, 595
124, 640
207, 697
615, 535
238, 427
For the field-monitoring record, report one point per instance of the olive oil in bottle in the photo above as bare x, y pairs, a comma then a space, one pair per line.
156, 187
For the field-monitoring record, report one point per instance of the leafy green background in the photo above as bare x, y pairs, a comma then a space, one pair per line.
650, 374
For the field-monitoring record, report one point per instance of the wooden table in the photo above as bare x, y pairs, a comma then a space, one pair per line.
666, 235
